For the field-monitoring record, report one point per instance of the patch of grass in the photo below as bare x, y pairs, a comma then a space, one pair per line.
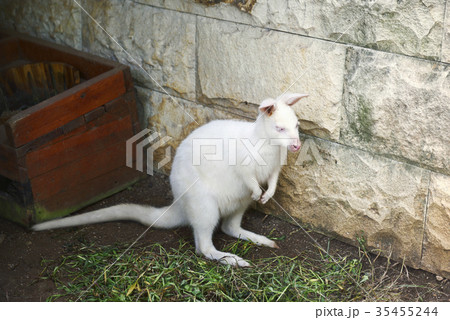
178, 274
153, 273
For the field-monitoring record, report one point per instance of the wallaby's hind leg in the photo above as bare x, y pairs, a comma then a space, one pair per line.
231, 225
204, 217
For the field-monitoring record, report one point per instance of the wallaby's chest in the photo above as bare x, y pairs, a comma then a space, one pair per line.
272, 162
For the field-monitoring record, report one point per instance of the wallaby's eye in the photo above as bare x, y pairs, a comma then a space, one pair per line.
279, 129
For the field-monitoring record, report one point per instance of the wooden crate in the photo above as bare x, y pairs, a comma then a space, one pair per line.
68, 151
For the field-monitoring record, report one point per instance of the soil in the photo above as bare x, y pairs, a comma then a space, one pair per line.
22, 251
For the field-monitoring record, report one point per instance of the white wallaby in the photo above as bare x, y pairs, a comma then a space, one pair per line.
216, 173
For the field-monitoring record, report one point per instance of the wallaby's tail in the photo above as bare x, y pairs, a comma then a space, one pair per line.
166, 217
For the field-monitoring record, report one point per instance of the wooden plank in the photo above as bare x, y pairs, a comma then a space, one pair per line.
106, 118
8, 158
75, 147
124, 106
132, 109
118, 107
19, 192
128, 79
4, 139
69, 130
42, 140
9, 166
94, 114
89, 65
68, 176
90, 191
9, 52
14, 211
73, 125
65, 107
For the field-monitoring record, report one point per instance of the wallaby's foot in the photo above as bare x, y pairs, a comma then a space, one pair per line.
256, 195
261, 240
232, 228
226, 258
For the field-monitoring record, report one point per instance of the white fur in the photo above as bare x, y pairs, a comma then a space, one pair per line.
216, 190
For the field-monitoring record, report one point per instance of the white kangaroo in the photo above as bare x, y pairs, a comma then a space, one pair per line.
216, 173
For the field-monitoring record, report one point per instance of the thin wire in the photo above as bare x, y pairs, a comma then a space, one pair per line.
315, 241
134, 61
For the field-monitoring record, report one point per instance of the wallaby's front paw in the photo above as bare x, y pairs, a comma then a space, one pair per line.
256, 195
266, 196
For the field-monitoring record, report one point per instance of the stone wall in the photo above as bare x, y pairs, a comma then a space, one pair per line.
376, 157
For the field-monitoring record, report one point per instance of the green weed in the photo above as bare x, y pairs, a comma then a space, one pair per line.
154, 273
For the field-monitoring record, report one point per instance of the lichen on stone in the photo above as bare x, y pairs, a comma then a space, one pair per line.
363, 122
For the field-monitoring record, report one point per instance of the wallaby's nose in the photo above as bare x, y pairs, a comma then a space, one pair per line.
296, 145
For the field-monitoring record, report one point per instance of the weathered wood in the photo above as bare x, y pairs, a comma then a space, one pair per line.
72, 128
132, 110
128, 79
94, 114
75, 147
9, 165
39, 79
10, 52
87, 193
34, 144
69, 150
65, 107
124, 106
118, 107
90, 66
73, 125
14, 210
4, 139
68, 176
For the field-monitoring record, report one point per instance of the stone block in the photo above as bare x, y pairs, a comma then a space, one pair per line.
57, 21
446, 38
398, 106
436, 249
174, 117
240, 63
409, 27
158, 45
353, 194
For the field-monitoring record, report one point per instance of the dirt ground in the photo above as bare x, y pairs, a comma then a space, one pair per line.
22, 251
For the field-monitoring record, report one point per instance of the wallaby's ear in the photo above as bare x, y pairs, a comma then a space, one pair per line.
291, 98
267, 106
